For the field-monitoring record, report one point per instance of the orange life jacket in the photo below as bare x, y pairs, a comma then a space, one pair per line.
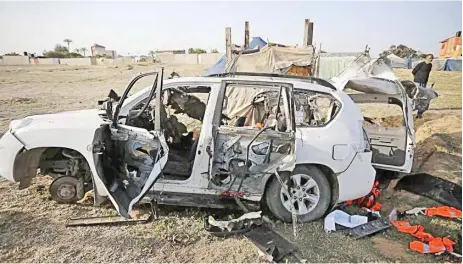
443, 211
427, 243
368, 201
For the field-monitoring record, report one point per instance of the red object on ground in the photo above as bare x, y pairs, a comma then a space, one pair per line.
427, 243
368, 201
443, 211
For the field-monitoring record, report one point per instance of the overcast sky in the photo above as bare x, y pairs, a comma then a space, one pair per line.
137, 27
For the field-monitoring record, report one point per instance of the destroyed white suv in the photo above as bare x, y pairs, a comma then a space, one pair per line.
251, 130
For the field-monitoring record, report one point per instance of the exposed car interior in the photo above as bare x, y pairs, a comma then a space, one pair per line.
387, 138
182, 112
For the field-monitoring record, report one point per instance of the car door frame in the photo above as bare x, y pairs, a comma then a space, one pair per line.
291, 129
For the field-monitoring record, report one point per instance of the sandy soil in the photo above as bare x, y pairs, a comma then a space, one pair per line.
33, 228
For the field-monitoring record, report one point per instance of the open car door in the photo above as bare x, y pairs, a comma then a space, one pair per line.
128, 159
253, 135
373, 82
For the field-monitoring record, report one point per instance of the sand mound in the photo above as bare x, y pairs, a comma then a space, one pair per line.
445, 125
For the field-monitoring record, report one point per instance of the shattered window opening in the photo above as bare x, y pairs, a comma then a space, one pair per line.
314, 109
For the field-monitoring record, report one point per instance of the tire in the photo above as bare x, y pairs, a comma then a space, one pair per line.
274, 199
73, 190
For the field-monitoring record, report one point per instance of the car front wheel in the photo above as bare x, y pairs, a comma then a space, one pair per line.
310, 194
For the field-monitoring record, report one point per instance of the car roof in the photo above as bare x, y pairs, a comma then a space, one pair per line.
300, 82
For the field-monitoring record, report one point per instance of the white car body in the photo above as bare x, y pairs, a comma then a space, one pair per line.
342, 154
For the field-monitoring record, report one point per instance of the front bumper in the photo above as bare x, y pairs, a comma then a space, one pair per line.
9, 149
357, 181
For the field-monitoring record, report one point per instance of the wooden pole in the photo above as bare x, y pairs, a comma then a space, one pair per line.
306, 33
228, 48
310, 35
246, 35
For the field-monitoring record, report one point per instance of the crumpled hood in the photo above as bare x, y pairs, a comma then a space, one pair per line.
368, 76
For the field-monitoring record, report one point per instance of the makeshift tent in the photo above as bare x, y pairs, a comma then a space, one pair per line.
450, 64
274, 59
219, 67
331, 64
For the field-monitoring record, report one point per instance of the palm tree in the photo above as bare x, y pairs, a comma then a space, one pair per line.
84, 50
77, 50
68, 41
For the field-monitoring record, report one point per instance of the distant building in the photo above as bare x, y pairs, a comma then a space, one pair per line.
451, 47
170, 51
99, 50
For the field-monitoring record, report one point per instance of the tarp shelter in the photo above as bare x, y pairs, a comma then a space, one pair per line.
450, 64
331, 64
219, 67
275, 59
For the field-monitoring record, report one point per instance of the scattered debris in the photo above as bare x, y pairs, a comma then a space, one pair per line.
270, 242
442, 211
438, 189
369, 228
114, 219
240, 225
129, 67
342, 218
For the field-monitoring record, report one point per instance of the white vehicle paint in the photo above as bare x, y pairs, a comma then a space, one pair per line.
338, 148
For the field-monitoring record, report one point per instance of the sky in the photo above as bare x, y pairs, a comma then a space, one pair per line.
135, 28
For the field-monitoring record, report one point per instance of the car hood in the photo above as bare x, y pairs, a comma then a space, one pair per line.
73, 119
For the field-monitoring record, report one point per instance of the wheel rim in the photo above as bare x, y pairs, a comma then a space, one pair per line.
305, 194
66, 191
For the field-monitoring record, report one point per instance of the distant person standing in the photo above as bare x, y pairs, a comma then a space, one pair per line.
422, 70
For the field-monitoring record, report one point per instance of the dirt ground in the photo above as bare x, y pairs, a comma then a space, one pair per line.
33, 228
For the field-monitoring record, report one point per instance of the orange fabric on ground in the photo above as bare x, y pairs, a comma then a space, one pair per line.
434, 244
444, 211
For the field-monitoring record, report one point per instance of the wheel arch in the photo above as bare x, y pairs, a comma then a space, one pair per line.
27, 163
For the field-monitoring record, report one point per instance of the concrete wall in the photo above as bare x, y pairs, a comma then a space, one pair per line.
1, 61
118, 61
44, 61
78, 61
209, 58
15, 60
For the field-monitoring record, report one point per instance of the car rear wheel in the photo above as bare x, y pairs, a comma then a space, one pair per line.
310, 194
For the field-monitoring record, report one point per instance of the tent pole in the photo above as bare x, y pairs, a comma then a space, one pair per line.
228, 49
246, 35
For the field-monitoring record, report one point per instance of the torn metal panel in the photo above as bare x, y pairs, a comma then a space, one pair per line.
438, 189
369, 228
271, 242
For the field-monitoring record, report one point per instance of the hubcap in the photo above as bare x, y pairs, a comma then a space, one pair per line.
66, 191
305, 194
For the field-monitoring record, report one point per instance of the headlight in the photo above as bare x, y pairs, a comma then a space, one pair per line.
17, 124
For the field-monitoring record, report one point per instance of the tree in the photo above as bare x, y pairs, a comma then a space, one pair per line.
76, 50
196, 51
61, 48
401, 51
214, 51
151, 53
68, 41
84, 50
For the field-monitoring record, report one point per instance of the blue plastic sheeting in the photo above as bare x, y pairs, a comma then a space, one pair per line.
452, 65
219, 67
